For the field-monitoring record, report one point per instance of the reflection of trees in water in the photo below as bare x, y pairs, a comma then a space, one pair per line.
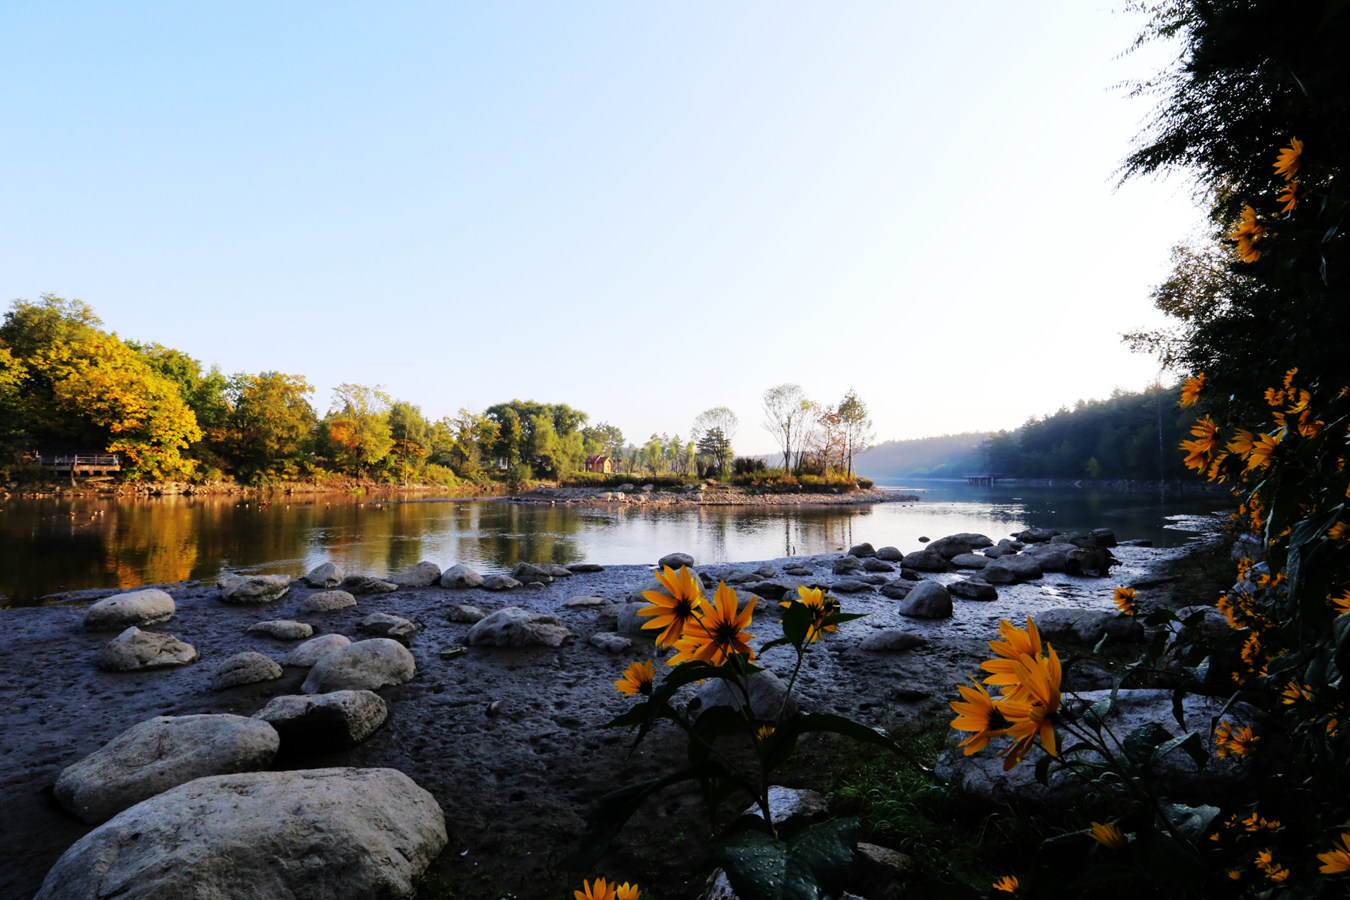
527, 533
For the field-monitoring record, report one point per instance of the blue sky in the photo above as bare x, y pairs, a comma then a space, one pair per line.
641, 210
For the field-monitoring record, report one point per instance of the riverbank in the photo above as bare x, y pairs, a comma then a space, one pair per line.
715, 495
508, 740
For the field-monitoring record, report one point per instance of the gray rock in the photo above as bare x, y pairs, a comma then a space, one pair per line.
529, 573
363, 666
927, 600
636, 594
351, 833
146, 607
791, 806
973, 589
365, 584
847, 565
1092, 561
892, 640
558, 571
862, 551
244, 668
890, 554
1011, 569
925, 561
878, 873
1037, 535
675, 561
610, 642
324, 576
320, 723
583, 568
133, 650
516, 627
969, 561
315, 649
500, 583
253, 588
851, 586
584, 602
630, 620
877, 565
457, 577
1176, 776
767, 693
1051, 557
327, 601
799, 571
766, 571
423, 574
282, 629
951, 545
159, 754
463, 614
386, 625
1087, 625
739, 577
898, 589
776, 589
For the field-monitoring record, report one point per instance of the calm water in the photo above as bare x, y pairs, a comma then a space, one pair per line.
53, 545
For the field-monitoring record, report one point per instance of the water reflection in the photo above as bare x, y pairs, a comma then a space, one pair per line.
53, 545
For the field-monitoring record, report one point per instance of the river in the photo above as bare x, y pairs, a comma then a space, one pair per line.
50, 546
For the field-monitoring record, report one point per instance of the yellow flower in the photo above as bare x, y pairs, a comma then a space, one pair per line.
1234, 874
1264, 859
682, 601
1235, 741
1251, 649
599, 890
1286, 164
821, 605
1340, 531
1342, 603
1274, 397
1337, 859
1124, 597
1294, 692
1289, 378
627, 891
1262, 449
1277, 873
637, 678
1205, 443
1107, 835
1006, 883
1013, 645
764, 733
1039, 679
984, 715
719, 633
1247, 233
1288, 195
1190, 391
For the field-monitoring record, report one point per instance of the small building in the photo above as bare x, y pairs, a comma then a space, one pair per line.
600, 464
74, 464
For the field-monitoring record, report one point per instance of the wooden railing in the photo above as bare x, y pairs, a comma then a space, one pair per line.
81, 461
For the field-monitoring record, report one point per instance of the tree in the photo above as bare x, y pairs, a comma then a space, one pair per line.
356, 430
412, 437
558, 447
272, 421
464, 442
603, 439
857, 426
715, 446
787, 414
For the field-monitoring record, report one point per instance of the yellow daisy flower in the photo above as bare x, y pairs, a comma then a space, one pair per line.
597, 890
1006, 883
1124, 597
681, 601
1233, 741
984, 715
1337, 859
1286, 164
637, 678
719, 633
1289, 197
1107, 835
1190, 391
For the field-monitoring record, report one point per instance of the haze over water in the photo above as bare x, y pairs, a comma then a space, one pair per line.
53, 545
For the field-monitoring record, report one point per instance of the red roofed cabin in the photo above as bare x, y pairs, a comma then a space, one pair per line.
599, 464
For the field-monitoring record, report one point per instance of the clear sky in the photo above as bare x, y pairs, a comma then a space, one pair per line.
639, 209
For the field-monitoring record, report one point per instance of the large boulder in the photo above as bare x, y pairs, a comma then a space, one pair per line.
529, 573
244, 668
1051, 557
862, 551
282, 629
675, 561
458, 577
319, 723
147, 607
847, 565
630, 620
500, 583
423, 574
890, 554
925, 560
362, 666
358, 834
158, 754
315, 649
1092, 561
253, 588
969, 561
767, 695
952, 545
327, 601
1012, 569
324, 575
516, 627
973, 589
133, 650
1087, 626
927, 600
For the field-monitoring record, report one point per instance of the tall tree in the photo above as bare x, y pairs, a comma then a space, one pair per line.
787, 415
356, 429
272, 422
412, 438
857, 426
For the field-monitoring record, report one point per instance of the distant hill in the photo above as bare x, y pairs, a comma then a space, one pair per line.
945, 456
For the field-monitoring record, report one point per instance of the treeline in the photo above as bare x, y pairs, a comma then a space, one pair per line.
68, 386
1128, 436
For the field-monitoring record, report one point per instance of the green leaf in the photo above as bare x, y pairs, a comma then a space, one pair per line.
1160, 617
1190, 743
1191, 822
1141, 743
1095, 715
813, 865
797, 618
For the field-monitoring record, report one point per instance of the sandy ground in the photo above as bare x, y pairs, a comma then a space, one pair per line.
507, 740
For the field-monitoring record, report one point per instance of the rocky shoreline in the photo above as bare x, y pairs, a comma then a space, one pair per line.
493, 690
